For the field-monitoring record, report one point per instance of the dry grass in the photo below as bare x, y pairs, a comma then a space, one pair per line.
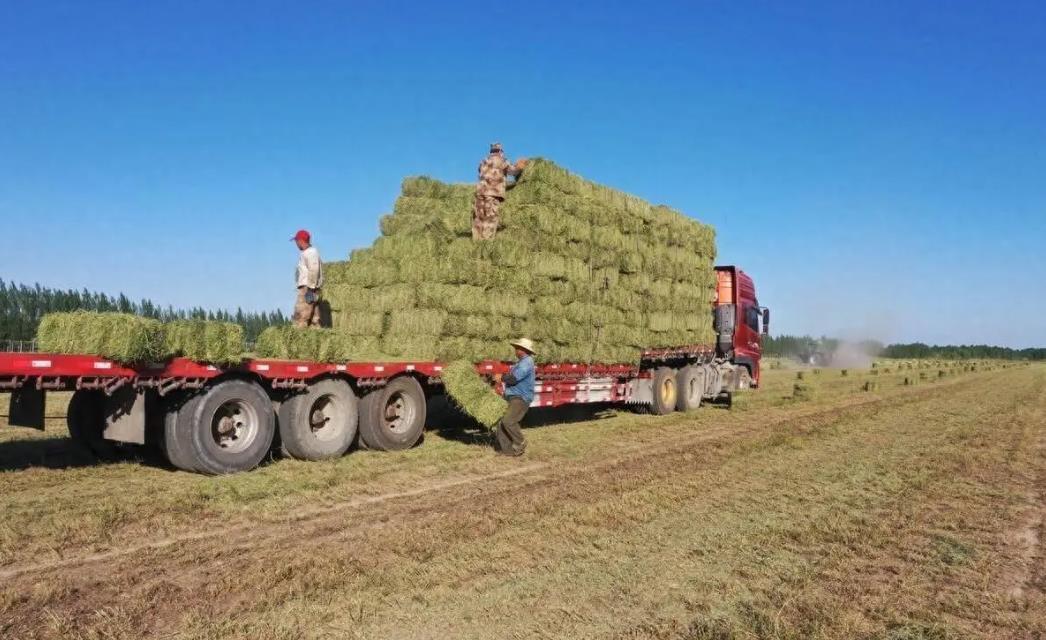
898, 513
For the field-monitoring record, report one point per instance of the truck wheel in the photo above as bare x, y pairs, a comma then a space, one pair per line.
392, 417
320, 423
85, 418
227, 428
666, 391
691, 383
176, 425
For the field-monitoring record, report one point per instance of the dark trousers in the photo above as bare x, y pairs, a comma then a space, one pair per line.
509, 436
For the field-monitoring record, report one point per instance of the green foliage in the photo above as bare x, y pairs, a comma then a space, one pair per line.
472, 393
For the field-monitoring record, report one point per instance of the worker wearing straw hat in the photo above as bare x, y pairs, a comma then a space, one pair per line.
519, 391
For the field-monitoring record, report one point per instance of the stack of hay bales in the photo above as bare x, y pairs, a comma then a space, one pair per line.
590, 273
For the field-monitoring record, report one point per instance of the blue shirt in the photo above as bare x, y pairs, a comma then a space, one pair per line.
523, 372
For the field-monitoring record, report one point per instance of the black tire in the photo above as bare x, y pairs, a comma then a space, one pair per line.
226, 429
666, 391
176, 421
392, 418
320, 423
691, 386
85, 418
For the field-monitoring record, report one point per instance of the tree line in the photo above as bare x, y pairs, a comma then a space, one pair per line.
22, 306
803, 346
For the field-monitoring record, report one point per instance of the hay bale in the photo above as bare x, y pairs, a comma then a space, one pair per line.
472, 393
118, 336
205, 341
318, 345
803, 391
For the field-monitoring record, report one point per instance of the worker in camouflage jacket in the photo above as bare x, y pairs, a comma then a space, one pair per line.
490, 191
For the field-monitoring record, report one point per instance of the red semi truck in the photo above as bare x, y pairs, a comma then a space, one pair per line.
224, 420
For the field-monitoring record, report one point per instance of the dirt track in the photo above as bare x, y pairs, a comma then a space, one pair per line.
605, 527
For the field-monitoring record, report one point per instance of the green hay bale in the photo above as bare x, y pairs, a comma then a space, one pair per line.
803, 391
348, 297
318, 345
118, 336
359, 323
416, 322
205, 341
478, 326
369, 271
410, 347
472, 393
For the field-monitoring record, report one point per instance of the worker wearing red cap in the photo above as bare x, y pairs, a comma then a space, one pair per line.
309, 280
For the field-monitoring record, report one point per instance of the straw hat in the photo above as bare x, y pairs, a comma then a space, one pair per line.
525, 344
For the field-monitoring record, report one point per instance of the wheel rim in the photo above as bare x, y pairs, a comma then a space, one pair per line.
326, 417
693, 390
234, 426
399, 414
668, 391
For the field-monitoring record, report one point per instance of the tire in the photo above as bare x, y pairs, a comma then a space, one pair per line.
85, 418
690, 382
666, 391
392, 418
226, 429
176, 419
320, 423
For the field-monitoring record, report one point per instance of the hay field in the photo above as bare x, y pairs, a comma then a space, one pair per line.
902, 512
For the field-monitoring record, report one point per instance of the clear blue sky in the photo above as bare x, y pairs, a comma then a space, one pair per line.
878, 167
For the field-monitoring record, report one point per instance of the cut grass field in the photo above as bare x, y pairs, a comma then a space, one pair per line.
903, 512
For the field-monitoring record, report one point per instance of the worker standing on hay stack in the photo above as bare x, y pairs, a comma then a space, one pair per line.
309, 279
519, 391
490, 191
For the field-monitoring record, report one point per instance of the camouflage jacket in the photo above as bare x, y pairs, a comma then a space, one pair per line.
492, 173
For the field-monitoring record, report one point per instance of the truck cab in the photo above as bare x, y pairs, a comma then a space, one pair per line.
739, 321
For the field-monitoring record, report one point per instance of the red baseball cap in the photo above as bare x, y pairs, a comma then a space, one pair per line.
302, 235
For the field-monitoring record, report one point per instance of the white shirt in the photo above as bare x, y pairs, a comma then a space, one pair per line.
310, 269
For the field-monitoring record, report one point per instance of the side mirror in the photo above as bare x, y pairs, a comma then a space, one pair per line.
766, 321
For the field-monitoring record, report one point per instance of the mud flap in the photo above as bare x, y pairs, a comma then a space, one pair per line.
125, 416
27, 408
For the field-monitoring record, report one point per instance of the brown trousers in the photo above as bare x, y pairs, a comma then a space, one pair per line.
305, 314
485, 217
509, 437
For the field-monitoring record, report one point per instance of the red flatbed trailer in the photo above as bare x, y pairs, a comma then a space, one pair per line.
216, 420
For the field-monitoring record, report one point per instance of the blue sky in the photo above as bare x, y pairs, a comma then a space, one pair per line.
879, 168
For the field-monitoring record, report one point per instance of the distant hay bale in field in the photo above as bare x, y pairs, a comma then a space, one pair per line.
799, 375
472, 393
803, 391
870, 385
844, 373
118, 336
